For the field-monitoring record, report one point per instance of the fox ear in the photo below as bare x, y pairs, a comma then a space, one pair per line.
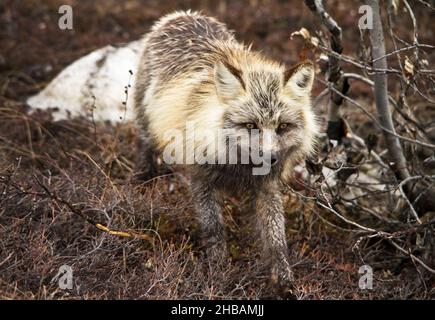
229, 82
299, 79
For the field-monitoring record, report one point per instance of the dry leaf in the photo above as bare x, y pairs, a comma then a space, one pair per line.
409, 67
395, 4
304, 33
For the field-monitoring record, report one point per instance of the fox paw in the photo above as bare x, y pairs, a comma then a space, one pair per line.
282, 279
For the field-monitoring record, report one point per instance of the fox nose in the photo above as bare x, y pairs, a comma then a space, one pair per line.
273, 159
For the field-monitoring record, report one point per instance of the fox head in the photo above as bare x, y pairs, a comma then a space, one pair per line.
270, 100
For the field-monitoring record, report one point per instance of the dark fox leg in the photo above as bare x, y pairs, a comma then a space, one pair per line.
209, 213
271, 226
147, 166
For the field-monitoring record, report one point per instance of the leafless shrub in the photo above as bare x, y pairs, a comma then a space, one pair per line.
378, 180
65, 195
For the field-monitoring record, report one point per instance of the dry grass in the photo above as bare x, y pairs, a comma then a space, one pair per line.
50, 179
58, 179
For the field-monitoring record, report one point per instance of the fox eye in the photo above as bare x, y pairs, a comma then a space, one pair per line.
284, 126
250, 125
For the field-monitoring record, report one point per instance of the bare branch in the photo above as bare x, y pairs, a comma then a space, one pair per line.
335, 76
381, 94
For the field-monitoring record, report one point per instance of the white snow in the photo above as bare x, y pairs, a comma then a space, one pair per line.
98, 79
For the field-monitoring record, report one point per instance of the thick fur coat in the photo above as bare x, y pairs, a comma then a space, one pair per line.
192, 69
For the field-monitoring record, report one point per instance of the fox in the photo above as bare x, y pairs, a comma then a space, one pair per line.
193, 69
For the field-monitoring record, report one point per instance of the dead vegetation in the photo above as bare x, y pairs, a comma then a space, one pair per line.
66, 197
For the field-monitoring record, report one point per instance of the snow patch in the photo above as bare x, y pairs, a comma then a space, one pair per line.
97, 80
